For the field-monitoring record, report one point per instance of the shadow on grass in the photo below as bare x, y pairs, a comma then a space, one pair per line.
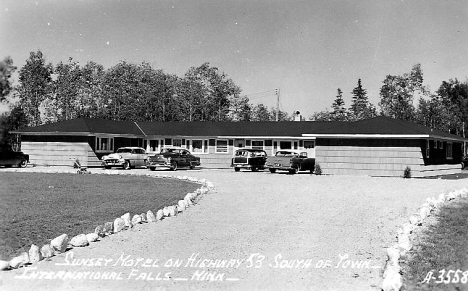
37, 207
440, 247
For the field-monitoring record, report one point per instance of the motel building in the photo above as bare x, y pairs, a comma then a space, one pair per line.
379, 146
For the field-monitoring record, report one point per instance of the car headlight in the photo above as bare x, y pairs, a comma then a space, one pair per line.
169, 159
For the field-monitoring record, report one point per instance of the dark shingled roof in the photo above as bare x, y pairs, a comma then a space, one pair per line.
85, 126
208, 128
375, 126
382, 125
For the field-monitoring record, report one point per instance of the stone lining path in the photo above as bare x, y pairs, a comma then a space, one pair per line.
255, 231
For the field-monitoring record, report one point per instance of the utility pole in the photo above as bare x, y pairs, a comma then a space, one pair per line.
464, 143
277, 103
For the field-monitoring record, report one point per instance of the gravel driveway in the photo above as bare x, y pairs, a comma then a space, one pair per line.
255, 231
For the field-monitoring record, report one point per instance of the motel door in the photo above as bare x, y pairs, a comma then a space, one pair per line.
309, 148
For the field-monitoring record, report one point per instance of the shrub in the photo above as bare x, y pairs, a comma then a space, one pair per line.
318, 169
407, 173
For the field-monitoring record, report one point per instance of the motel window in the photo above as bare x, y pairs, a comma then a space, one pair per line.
199, 146
427, 148
105, 144
257, 144
177, 142
441, 145
309, 144
295, 145
239, 143
221, 146
285, 145
154, 145
449, 150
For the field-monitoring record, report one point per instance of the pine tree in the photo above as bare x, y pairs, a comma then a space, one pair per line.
338, 106
361, 108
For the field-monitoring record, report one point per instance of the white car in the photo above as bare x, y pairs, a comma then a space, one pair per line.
126, 157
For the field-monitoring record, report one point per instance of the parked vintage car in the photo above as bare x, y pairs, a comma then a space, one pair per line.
290, 161
126, 157
9, 158
253, 159
173, 158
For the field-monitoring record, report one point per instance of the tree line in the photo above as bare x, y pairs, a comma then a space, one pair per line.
138, 92
405, 97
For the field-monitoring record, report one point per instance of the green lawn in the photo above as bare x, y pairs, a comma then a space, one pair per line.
37, 207
440, 248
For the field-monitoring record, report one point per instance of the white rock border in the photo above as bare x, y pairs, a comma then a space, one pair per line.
62, 243
392, 279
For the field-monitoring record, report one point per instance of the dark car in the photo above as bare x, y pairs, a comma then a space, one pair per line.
290, 161
9, 158
253, 159
172, 159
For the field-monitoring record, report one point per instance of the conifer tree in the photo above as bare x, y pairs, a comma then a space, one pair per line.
361, 108
338, 106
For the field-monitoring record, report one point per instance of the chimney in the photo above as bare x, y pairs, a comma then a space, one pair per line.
297, 115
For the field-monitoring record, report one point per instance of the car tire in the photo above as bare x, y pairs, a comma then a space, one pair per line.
293, 171
23, 163
272, 170
152, 168
254, 169
174, 166
126, 165
236, 169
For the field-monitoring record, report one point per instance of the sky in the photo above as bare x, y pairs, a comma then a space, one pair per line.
307, 49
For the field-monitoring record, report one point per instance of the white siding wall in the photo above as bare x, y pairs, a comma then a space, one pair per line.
59, 153
377, 161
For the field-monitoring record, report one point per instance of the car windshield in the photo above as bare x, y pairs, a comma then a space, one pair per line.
242, 154
124, 150
285, 154
170, 151
250, 154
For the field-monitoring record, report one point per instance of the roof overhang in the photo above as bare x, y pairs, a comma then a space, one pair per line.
61, 133
385, 136
410, 136
268, 137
